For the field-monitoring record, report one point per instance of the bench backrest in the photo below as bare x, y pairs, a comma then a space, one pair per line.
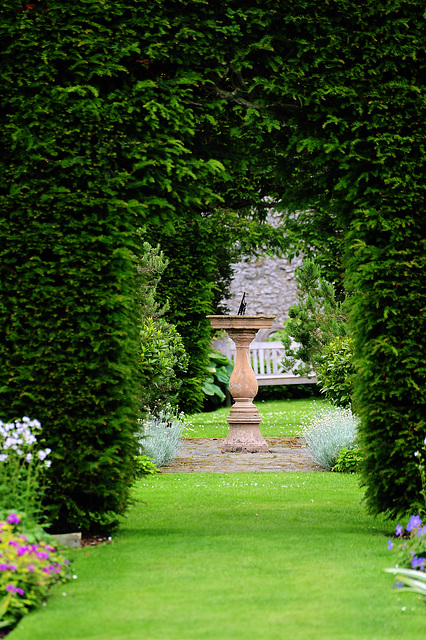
266, 360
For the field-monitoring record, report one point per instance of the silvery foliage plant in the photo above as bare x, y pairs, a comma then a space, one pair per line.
23, 465
160, 435
328, 432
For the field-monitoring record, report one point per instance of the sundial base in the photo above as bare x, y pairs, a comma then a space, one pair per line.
244, 433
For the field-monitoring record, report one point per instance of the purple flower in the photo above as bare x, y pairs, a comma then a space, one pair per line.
23, 550
13, 519
12, 567
31, 567
415, 521
399, 529
3, 566
417, 562
42, 555
12, 589
390, 544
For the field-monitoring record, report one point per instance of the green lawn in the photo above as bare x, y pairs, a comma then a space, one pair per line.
255, 556
279, 418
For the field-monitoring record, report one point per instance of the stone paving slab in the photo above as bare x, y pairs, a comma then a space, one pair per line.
203, 455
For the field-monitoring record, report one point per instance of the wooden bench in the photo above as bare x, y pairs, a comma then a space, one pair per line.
266, 358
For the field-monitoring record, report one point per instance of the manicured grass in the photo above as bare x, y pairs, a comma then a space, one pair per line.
253, 556
279, 418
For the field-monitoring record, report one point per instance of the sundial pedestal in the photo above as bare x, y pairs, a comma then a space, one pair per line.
244, 419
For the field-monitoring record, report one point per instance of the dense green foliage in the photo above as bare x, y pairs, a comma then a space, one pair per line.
361, 71
68, 316
161, 113
348, 460
216, 387
335, 371
85, 141
188, 287
162, 354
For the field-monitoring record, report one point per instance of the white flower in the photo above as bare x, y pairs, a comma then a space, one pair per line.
47, 463
29, 457
43, 454
10, 443
3, 457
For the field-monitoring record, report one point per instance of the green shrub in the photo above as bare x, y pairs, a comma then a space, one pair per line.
335, 371
315, 321
163, 357
348, 460
162, 352
27, 571
145, 466
328, 432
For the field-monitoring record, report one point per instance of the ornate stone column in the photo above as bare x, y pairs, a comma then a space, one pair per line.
244, 418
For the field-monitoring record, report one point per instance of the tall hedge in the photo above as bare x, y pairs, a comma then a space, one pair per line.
365, 70
92, 146
355, 73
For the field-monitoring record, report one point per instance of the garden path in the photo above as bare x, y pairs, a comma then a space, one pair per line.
204, 455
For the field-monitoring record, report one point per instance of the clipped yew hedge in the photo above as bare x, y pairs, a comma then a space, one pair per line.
68, 311
93, 146
358, 73
388, 267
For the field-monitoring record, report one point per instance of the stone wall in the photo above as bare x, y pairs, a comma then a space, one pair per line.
269, 286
